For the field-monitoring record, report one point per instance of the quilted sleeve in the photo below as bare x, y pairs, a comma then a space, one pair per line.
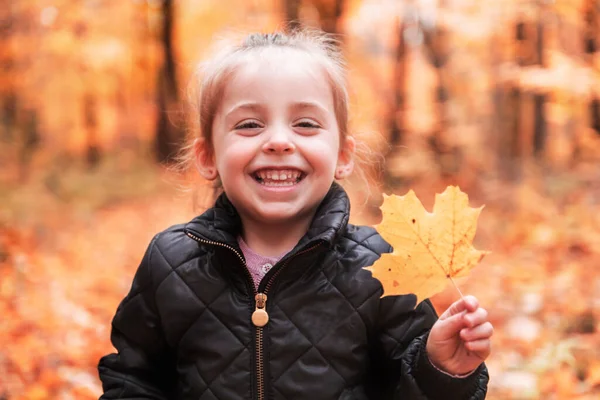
410, 376
143, 367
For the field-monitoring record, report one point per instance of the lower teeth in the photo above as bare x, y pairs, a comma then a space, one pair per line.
286, 183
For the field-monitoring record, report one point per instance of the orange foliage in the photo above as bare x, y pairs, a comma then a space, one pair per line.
68, 250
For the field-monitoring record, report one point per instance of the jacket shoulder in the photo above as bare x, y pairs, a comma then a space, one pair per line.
174, 247
365, 238
356, 248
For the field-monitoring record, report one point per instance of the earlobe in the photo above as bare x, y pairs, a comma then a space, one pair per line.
344, 171
345, 164
205, 160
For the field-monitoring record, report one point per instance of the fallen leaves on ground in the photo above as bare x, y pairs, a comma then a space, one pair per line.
59, 289
61, 281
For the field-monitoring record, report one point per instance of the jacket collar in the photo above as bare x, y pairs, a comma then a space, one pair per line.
222, 223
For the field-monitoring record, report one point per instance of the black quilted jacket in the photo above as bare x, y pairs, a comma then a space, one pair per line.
185, 330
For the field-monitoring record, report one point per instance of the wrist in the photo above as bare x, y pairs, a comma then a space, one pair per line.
451, 367
464, 375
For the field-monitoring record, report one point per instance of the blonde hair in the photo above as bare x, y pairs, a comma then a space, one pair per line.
210, 78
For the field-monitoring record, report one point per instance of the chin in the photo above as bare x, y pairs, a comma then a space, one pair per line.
278, 215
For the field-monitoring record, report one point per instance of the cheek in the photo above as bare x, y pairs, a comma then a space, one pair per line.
231, 156
324, 154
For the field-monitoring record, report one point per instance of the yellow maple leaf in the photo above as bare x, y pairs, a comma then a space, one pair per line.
429, 248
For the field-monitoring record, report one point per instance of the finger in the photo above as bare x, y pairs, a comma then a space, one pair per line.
476, 317
481, 348
467, 303
451, 326
483, 331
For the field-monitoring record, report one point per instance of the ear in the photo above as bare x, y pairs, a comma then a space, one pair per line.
345, 164
205, 160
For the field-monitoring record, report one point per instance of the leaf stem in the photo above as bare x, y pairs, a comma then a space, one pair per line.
454, 283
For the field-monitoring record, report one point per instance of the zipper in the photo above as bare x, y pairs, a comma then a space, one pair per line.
242, 260
261, 300
260, 317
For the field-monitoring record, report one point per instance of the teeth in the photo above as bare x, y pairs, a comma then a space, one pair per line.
272, 183
279, 177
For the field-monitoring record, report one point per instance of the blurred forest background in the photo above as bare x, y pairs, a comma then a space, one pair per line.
499, 97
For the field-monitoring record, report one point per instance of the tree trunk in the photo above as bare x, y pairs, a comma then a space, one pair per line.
540, 126
90, 118
169, 135
509, 148
595, 115
330, 14
8, 92
292, 8
9, 114
591, 38
591, 27
529, 38
447, 154
397, 110
30, 141
539, 56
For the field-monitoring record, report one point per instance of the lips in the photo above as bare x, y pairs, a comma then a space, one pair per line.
278, 177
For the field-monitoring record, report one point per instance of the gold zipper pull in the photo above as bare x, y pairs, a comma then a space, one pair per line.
260, 317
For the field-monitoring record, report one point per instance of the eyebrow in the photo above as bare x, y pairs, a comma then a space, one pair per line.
308, 104
244, 106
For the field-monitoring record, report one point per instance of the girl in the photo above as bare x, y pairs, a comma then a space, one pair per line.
264, 296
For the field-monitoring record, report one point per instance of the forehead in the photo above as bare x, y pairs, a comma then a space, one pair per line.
276, 74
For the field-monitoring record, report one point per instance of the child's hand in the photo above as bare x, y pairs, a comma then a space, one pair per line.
460, 340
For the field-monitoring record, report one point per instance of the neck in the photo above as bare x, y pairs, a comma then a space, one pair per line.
272, 240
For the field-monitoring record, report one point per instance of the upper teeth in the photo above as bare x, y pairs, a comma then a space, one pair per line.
278, 175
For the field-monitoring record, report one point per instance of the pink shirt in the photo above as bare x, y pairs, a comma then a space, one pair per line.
257, 265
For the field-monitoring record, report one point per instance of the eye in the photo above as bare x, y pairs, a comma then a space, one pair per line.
248, 125
307, 124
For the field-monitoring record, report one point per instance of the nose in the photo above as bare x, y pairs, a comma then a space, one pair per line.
279, 142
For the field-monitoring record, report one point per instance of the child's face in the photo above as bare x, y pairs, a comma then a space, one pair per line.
276, 139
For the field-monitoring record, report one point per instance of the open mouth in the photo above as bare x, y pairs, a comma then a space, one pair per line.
278, 177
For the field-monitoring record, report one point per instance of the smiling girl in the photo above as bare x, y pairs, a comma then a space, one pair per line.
264, 295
